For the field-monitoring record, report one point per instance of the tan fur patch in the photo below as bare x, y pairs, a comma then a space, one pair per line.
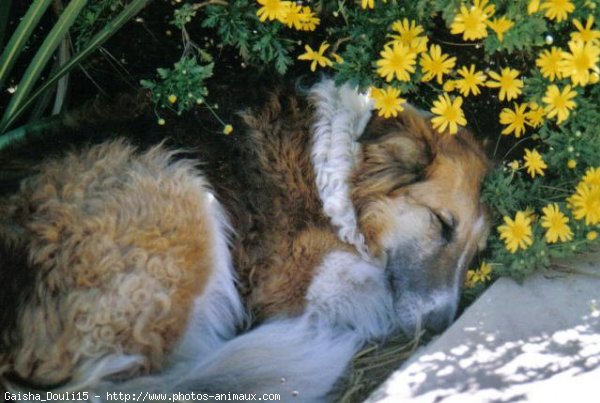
120, 248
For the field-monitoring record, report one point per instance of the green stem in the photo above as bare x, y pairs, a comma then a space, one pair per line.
215, 114
38, 127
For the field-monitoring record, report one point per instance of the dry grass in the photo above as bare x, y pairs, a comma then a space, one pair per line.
373, 364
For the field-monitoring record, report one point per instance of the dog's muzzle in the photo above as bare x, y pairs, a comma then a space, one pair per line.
418, 304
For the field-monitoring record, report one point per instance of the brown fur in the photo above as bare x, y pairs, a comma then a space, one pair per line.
118, 247
283, 234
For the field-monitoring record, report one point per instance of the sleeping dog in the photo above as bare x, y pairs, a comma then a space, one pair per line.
129, 272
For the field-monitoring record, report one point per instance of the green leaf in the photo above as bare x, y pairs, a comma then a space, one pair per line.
19, 38
41, 58
4, 14
110, 29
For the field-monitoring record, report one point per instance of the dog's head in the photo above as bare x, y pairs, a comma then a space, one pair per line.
417, 197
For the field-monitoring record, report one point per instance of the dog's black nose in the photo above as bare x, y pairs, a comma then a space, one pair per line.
440, 319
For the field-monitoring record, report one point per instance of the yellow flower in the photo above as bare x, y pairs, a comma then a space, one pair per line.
409, 35
436, 64
549, 63
580, 62
228, 129
513, 165
449, 114
449, 85
300, 18
500, 26
470, 279
470, 81
388, 101
367, 3
572, 164
516, 233
161, 122
316, 56
557, 9
374, 92
484, 273
534, 163
585, 34
535, 116
592, 177
338, 59
530, 213
293, 18
556, 225
592, 235
481, 275
309, 20
585, 203
559, 103
172, 98
515, 119
510, 86
533, 7
471, 21
397, 60
272, 10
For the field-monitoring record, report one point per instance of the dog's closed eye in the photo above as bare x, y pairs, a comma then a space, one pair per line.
447, 223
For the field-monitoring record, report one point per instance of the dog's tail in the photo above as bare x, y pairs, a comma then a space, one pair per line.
294, 358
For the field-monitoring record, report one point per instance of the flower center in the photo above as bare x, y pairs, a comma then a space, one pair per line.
451, 113
519, 231
582, 62
472, 20
519, 118
506, 82
397, 60
560, 102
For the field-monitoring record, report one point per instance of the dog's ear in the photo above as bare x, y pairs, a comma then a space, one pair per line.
404, 141
394, 154
410, 121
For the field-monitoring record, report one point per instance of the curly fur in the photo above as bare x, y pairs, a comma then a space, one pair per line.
119, 247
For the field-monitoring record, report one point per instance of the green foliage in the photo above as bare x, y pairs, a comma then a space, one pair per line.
183, 15
93, 17
527, 33
181, 87
41, 57
19, 38
27, 92
257, 43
